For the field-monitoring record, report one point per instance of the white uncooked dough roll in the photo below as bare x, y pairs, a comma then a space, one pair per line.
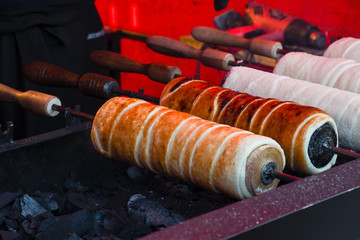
212, 155
348, 48
339, 73
343, 106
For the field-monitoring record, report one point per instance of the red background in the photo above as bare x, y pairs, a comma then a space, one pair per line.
175, 18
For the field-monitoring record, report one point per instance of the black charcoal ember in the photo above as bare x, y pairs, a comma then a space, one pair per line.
57, 228
7, 197
137, 230
6, 210
61, 200
109, 185
112, 222
105, 238
2, 219
26, 226
31, 207
180, 191
135, 174
15, 213
115, 204
34, 221
71, 184
74, 236
47, 200
83, 202
11, 224
107, 222
150, 212
5, 235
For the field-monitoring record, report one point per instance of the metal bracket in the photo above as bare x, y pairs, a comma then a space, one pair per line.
71, 120
7, 135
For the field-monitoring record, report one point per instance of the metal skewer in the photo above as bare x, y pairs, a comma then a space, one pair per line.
72, 111
269, 172
134, 94
342, 151
285, 177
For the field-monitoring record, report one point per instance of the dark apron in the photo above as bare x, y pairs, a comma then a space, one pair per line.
61, 34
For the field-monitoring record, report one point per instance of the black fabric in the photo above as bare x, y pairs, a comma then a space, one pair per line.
26, 3
58, 36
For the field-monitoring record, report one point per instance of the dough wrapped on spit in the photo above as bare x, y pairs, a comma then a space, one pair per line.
215, 156
338, 73
300, 130
348, 48
343, 106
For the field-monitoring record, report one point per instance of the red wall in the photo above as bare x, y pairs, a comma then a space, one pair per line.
175, 18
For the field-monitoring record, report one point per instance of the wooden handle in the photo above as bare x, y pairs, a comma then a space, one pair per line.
49, 75
116, 62
217, 59
259, 46
95, 85
161, 72
8, 94
219, 37
30, 100
172, 47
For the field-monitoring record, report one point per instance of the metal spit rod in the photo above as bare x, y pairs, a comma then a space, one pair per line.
73, 112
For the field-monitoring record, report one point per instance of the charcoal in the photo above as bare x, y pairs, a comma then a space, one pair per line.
31, 207
152, 213
137, 230
180, 191
115, 204
34, 221
112, 222
108, 222
61, 200
168, 184
2, 219
47, 200
5, 211
71, 184
135, 174
7, 197
15, 214
26, 225
109, 185
105, 238
11, 224
5, 235
74, 236
55, 228
83, 202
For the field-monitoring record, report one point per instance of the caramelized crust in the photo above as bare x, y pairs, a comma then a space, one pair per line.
290, 124
212, 155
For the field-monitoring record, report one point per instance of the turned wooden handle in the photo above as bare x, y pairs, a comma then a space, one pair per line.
256, 45
219, 37
49, 75
172, 47
209, 57
30, 100
116, 62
